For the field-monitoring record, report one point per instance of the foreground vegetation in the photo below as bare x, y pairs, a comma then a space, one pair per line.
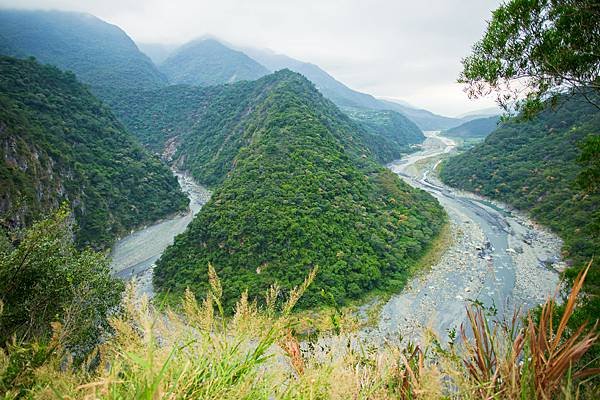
195, 351
58, 142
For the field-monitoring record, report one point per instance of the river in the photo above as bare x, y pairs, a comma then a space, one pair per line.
133, 257
498, 257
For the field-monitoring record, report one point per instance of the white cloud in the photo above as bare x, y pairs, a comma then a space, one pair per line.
393, 48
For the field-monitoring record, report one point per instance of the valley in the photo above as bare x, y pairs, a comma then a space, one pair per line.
497, 256
133, 256
189, 211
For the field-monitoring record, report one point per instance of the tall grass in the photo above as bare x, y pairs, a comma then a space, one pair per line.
195, 352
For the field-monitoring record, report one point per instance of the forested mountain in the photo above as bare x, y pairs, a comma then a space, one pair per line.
300, 191
58, 142
481, 113
475, 128
343, 96
99, 53
533, 166
206, 62
395, 132
203, 129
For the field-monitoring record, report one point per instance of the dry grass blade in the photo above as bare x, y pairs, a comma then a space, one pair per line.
291, 347
552, 354
482, 362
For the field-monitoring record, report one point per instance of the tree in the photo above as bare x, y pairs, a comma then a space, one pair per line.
45, 279
533, 50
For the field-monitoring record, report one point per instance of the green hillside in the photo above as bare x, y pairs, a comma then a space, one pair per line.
99, 53
302, 192
343, 96
533, 166
206, 62
477, 128
59, 143
393, 133
203, 129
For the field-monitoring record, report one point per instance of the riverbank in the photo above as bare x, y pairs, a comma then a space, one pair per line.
133, 257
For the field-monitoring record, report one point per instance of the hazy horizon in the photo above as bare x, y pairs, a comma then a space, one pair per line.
392, 50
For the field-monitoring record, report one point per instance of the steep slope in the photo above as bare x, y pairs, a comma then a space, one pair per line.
533, 166
474, 129
60, 143
201, 129
206, 62
343, 96
302, 192
396, 132
99, 53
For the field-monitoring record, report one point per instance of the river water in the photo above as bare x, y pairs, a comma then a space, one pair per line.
133, 257
497, 257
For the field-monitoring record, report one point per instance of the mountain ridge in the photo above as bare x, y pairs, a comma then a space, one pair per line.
207, 62
99, 53
59, 143
302, 191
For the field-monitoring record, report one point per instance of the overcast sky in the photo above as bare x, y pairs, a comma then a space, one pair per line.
403, 49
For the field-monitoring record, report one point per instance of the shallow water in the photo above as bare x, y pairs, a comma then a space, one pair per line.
134, 255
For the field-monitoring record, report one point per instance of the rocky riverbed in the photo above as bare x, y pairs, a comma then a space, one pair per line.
498, 257
133, 257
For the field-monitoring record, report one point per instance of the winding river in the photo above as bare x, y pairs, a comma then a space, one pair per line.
497, 256
133, 257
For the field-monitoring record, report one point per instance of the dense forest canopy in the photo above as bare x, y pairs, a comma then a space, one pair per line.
391, 134
533, 165
100, 54
203, 129
303, 192
59, 143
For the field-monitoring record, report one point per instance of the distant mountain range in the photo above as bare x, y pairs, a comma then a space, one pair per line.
99, 53
207, 62
343, 96
476, 128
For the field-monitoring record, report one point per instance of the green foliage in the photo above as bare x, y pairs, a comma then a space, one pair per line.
476, 128
534, 166
99, 53
389, 134
44, 279
301, 191
60, 143
206, 62
209, 126
544, 45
